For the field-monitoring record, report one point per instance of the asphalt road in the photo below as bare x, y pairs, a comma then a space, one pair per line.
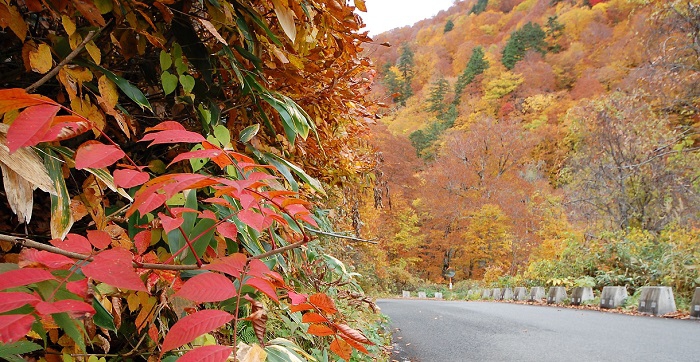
427, 331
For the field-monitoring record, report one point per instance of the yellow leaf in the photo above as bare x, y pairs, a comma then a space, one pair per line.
94, 52
9, 16
40, 59
286, 17
74, 40
108, 91
88, 110
133, 301
250, 353
68, 24
360, 5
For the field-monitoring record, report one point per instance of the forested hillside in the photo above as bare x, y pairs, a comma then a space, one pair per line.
541, 141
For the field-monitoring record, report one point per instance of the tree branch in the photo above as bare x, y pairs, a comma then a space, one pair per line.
60, 65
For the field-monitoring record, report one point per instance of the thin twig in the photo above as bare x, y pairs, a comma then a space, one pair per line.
37, 245
352, 238
60, 65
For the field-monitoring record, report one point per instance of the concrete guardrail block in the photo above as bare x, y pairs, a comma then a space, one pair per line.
537, 294
406, 294
556, 295
695, 305
657, 300
520, 293
581, 295
497, 294
507, 294
438, 295
421, 295
612, 297
486, 294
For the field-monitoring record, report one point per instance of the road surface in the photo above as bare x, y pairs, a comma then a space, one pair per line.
427, 331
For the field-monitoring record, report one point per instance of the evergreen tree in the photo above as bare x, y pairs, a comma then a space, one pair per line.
405, 65
554, 31
477, 64
436, 101
529, 37
449, 25
393, 84
479, 7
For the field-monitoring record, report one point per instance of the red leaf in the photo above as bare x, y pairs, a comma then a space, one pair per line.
13, 327
73, 242
252, 219
166, 125
263, 286
30, 126
75, 308
172, 136
213, 353
170, 223
31, 257
258, 269
16, 98
14, 300
193, 326
232, 265
22, 277
341, 348
228, 230
142, 241
197, 154
114, 267
207, 287
320, 330
78, 287
323, 302
313, 318
297, 298
93, 154
208, 214
129, 178
65, 127
100, 239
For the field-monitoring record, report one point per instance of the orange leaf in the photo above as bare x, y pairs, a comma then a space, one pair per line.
16, 98
323, 302
320, 330
313, 318
300, 307
341, 348
353, 333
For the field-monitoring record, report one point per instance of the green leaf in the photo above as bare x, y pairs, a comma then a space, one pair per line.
104, 6
222, 135
61, 216
180, 66
165, 60
10, 351
248, 133
169, 82
187, 82
102, 317
284, 170
72, 329
314, 183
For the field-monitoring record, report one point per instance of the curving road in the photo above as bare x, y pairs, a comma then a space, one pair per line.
427, 331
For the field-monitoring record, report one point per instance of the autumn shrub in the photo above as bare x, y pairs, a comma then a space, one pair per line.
185, 151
